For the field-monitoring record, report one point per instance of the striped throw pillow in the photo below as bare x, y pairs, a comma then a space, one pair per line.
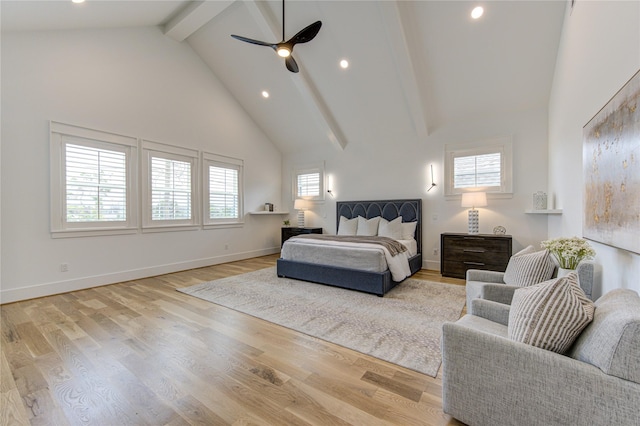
525, 268
550, 315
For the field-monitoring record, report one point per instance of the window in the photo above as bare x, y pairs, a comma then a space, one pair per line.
485, 166
93, 185
169, 177
308, 183
222, 190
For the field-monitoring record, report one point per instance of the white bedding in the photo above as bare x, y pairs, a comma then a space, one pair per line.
363, 256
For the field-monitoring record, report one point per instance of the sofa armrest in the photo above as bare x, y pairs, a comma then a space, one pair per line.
588, 273
500, 293
488, 309
485, 276
491, 380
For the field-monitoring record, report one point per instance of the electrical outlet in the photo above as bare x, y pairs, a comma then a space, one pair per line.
435, 251
226, 246
434, 217
64, 267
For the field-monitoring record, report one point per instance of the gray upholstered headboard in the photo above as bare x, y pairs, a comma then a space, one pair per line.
410, 210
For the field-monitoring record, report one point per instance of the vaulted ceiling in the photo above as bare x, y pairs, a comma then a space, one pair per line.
415, 66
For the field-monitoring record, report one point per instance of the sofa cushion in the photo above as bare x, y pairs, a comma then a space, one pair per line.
527, 268
550, 315
612, 341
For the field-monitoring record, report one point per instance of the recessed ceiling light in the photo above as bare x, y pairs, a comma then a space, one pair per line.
77, 1
265, 94
344, 64
477, 12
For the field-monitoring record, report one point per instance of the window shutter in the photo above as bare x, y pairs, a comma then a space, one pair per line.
95, 184
309, 185
477, 171
223, 193
170, 189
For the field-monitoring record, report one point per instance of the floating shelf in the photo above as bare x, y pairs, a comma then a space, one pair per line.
548, 211
267, 213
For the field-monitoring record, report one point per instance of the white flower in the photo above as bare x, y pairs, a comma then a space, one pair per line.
569, 251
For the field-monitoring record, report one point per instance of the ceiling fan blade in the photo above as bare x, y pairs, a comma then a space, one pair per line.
307, 34
252, 41
291, 64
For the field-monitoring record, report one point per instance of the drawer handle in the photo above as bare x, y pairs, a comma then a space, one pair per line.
472, 238
474, 263
474, 250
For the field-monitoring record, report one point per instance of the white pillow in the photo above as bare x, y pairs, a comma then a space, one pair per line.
409, 230
368, 227
390, 229
347, 226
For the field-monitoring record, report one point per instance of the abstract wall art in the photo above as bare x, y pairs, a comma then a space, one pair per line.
611, 159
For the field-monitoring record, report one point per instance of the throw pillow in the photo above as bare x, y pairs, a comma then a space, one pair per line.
347, 226
525, 268
409, 230
550, 315
391, 229
368, 227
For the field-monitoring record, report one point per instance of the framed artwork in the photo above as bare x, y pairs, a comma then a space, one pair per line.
611, 161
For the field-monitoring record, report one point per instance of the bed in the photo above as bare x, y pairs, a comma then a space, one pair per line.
350, 267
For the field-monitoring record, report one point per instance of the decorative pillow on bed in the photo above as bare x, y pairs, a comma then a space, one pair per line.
368, 226
390, 229
409, 230
347, 226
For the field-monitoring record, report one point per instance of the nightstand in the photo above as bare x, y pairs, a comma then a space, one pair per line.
459, 252
288, 232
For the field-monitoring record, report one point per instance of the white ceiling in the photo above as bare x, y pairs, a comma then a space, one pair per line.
416, 66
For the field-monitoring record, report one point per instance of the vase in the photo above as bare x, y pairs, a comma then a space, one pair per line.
563, 272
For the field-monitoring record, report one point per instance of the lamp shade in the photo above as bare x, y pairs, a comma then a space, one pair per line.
300, 204
474, 199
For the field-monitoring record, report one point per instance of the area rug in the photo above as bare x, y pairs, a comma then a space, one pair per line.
403, 327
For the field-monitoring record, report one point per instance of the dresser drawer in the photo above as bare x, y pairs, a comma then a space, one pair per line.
460, 252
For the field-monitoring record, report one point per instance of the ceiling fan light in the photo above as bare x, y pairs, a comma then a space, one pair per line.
284, 52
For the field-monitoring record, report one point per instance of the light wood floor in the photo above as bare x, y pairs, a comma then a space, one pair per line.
142, 353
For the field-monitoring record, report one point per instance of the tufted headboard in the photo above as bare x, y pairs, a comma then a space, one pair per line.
410, 210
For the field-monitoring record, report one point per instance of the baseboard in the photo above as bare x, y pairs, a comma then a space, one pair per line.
48, 289
432, 265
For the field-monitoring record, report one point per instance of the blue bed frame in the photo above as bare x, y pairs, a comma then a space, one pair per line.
377, 283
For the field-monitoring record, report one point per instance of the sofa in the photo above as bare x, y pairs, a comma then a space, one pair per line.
490, 379
483, 284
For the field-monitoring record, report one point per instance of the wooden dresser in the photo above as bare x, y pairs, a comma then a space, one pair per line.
459, 252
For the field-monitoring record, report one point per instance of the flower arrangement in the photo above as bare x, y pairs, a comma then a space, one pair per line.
569, 251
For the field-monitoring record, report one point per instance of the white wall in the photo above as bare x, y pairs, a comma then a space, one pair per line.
135, 82
598, 54
391, 164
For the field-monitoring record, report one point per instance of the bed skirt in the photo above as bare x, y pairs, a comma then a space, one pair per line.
377, 283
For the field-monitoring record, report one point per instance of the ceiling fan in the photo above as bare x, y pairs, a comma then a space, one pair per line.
284, 48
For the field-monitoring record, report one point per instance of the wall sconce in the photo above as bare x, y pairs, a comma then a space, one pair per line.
432, 182
473, 200
330, 185
300, 205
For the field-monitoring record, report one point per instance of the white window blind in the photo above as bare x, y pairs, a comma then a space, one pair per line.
308, 185
170, 189
477, 171
484, 165
223, 193
95, 184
